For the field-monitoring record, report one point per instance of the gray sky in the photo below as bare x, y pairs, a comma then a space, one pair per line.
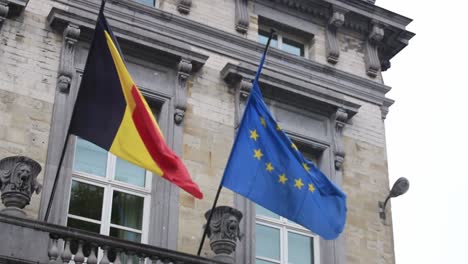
426, 137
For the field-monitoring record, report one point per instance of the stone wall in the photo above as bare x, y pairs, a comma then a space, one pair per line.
29, 55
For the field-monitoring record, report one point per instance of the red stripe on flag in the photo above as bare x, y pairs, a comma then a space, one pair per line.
173, 168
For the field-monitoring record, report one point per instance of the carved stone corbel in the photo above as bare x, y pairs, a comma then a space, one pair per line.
242, 16
336, 20
340, 118
66, 66
3, 12
372, 57
242, 89
183, 6
184, 70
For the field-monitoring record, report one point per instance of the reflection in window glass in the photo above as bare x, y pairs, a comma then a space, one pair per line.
267, 242
86, 200
129, 173
263, 38
123, 234
84, 225
90, 158
258, 261
293, 47
300, 249
127, 210
265, 212
147, 2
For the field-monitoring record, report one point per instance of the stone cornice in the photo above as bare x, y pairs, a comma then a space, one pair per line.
308, 90
178, 35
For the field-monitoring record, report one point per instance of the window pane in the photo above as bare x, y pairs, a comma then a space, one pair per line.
129, 173
146, 2
259, 261
123, 234
83, 225
300, 249
90, 158
127, 210
86, 200
265, 212
293, 47
263, 38
267, 242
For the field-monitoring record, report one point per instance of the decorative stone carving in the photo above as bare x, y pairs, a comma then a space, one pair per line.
66, 68
183, 6
3, 12
336, 20
242, 16
340, 122
184, 70
18, 181
372, 57
223, 232
242, 90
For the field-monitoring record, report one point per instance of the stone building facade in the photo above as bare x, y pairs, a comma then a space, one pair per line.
193, 60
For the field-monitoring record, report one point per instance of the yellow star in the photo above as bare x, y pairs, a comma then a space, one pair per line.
306, 167
311, 187
278, 127
294, 146
282, 178
262, 120
269, 167
298, 183
254, 135
258, 154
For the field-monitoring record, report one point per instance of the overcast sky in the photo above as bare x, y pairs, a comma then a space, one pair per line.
427, 133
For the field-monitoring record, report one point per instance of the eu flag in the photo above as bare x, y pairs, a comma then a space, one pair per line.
266, 167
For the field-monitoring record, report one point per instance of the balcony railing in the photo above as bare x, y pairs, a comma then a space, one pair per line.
59, 244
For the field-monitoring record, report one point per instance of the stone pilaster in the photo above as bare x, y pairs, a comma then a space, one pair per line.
242, 16
183, 6
371, 53
66, 66
184, 70
336, 20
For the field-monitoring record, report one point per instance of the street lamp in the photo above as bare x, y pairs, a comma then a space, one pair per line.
400, 187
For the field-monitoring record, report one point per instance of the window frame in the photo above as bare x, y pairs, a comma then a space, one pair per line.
110, 184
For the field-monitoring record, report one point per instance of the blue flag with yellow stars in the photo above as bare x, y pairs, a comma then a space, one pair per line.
266, 167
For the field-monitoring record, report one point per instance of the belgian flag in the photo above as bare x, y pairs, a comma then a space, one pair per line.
111, 112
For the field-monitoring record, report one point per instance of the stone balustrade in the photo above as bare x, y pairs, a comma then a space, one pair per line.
69, 245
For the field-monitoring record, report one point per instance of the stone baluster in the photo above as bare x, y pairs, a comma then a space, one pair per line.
66, 254
130, 256
117, 256
105, 258
154, 259
53, 252
92, 258
79, 256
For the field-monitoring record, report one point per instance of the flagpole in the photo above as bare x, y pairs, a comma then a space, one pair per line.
64, 148
257, 75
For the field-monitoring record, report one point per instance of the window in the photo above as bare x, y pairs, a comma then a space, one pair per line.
108, 195
279, 240
283, 42
147, 2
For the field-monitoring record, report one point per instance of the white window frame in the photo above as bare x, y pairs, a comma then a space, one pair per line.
285, 226
110, 185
